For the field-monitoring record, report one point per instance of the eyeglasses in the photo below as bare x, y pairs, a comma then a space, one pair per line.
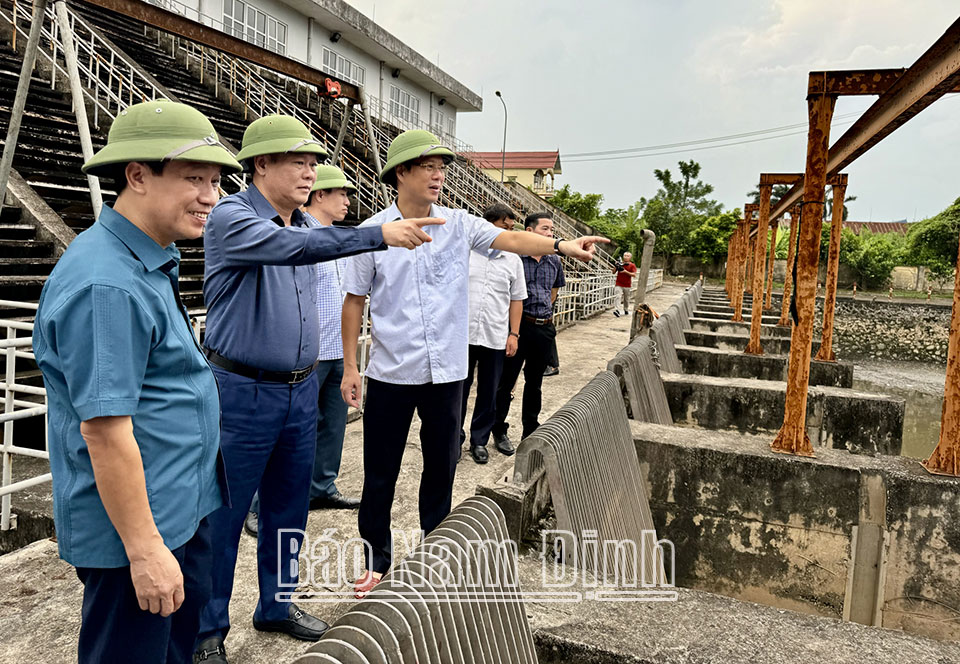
432, 168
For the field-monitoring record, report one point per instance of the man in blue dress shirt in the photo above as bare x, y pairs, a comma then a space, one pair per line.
418, 354
133, 408
329, 201
262, 338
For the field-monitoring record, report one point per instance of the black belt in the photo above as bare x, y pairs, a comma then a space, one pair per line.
537, 321
292, 377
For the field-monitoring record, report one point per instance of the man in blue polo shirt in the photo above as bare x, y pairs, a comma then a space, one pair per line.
133, 408
260, 288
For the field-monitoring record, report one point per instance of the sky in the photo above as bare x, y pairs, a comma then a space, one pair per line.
609, 75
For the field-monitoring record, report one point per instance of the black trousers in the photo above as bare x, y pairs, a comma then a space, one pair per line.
487, 363
114, 628
533, 354
386, 423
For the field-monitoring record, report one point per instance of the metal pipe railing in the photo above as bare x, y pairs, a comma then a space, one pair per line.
17, 409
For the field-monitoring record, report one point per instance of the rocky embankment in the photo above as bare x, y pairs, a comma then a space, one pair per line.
879, 330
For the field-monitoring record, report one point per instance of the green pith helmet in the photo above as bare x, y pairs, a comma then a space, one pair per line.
410, 145
160, 130
273, 134
331, 177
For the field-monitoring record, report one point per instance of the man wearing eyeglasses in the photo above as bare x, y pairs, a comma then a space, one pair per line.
262, 340
418, 353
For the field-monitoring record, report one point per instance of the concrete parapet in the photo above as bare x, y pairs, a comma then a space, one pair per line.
765, 320
873, 539
730, 327
701, 361
860, 422
771, 345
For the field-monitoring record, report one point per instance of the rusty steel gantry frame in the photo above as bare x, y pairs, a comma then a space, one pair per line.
901, 95
767, 181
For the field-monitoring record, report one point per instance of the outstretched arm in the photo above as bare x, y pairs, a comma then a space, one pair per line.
531, 244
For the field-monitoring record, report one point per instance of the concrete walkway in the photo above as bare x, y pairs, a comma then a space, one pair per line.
40, 594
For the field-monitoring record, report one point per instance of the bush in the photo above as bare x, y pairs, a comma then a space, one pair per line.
872, 257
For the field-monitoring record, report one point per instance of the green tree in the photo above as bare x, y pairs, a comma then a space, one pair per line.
709, 240
873, 256
585, 207
777, 192
624, 226
678, 207
932, 242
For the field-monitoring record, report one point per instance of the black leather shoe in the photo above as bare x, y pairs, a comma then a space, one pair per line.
551, 371
337, 501
479, 453
210, 651
299, 625
504, 445
252, 524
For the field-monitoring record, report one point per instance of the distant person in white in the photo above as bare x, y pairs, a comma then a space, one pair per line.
497, 291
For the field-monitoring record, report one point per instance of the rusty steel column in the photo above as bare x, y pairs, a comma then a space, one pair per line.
748, 266
945, 459
788, 277
773, 251
755, 347
740, 276
792, 438
731, 250
833, 266
736, 297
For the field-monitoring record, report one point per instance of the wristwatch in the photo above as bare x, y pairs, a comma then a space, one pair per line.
513, 334
556, 245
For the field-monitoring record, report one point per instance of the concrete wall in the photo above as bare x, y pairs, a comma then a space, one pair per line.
860, 422
734, 364
780, 530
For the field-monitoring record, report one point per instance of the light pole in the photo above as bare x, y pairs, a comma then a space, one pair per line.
503, 152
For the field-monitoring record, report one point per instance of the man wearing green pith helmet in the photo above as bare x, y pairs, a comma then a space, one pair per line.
133, 408
262, 338
418, 354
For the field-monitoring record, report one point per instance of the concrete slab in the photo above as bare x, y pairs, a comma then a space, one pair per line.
771, 345
701, 361
730, 327
703, 628
766, 320
861, 422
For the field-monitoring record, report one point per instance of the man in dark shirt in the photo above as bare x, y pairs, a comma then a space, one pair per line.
260, 288
544, 275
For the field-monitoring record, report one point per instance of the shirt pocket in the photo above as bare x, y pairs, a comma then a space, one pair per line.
448, 265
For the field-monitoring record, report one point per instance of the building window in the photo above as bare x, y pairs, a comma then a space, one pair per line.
245, 21
538, 180
344, 69
404, 105
437, 122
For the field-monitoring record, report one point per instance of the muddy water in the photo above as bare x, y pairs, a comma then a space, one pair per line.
922, 387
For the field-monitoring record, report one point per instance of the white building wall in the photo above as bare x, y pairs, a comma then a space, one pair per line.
306, 40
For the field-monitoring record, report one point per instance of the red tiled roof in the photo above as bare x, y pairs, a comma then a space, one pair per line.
900, 227
521, 160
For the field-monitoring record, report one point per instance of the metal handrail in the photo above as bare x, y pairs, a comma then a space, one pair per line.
18, 409
111, 79
259, 97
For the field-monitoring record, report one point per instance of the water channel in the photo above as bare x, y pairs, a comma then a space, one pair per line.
922, 387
